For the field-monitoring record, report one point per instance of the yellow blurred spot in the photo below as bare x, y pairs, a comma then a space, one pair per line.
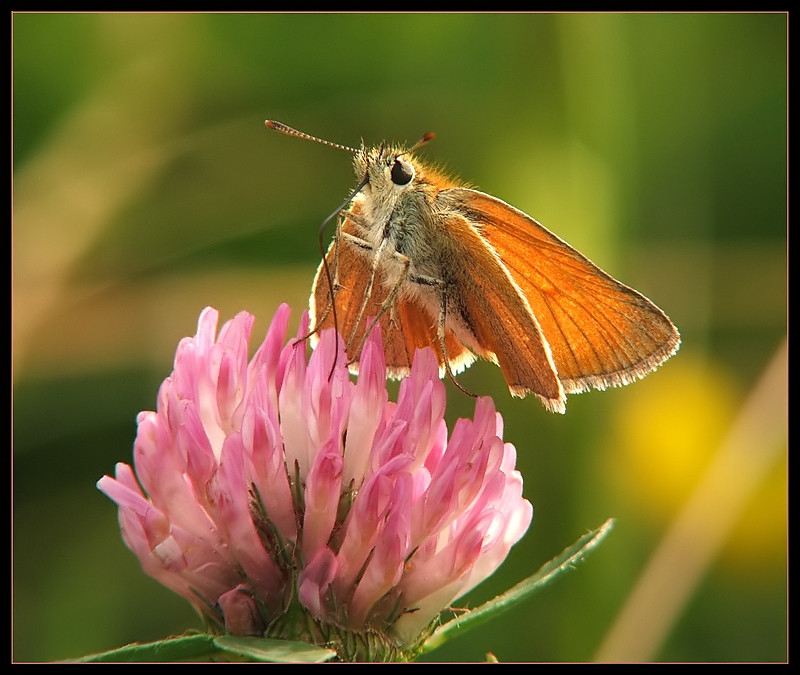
662, 439
665, 432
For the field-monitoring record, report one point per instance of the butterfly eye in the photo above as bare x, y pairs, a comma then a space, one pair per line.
402, 172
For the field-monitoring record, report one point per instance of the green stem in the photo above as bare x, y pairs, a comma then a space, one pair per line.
549, 571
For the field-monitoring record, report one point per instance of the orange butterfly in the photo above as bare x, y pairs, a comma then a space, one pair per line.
445, 266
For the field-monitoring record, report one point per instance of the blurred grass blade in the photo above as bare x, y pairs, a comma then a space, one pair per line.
753, 447
549, 571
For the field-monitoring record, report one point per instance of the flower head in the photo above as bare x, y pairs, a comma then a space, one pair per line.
282, 499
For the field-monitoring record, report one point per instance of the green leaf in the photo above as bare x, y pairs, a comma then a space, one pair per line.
204, 647
274, 651
200, 647
549, 571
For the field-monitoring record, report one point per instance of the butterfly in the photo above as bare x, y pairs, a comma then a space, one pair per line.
438, 264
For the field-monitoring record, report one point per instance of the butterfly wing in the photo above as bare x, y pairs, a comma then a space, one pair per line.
481, 309
600, 332
488, 313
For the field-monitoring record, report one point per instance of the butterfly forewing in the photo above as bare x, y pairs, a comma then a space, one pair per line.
490, 315
601, 333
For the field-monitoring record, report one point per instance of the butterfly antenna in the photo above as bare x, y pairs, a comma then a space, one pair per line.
285, 129
422, 141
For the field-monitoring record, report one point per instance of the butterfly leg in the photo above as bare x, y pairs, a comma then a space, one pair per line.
406, 275
443, 343
379, 255
423, 280
333, 285
376, 261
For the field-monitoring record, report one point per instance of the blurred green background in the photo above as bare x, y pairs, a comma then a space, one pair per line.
146, 187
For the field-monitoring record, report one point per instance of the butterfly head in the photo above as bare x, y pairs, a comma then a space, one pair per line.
386, 168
